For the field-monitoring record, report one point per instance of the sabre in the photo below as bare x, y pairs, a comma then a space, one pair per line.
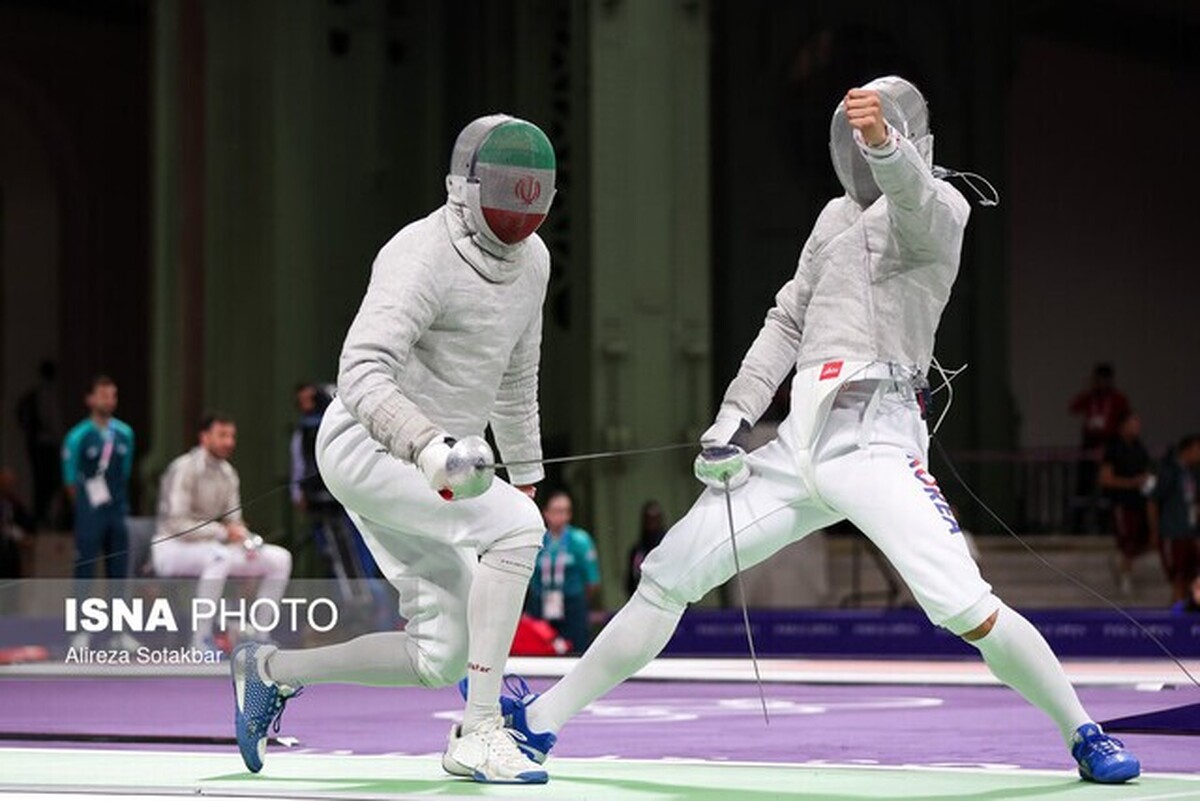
587, 457
470, 466
737, 566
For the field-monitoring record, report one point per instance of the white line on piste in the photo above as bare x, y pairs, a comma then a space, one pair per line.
981, 769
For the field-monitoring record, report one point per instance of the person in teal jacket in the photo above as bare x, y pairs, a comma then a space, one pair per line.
97, 461
566, 576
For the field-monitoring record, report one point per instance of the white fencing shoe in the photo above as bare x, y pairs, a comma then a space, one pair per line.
489, 754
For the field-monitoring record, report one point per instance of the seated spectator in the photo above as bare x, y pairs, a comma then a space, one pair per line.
1173, 515
566, 576
653, 529
1124, 473
199, 536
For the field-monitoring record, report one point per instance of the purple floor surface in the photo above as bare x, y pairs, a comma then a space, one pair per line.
874, 724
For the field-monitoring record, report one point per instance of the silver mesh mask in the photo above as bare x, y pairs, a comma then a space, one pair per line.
904, 109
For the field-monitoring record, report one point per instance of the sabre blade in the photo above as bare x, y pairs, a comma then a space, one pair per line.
737, 566
587, 457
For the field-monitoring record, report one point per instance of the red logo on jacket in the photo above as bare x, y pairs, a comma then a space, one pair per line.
830, 370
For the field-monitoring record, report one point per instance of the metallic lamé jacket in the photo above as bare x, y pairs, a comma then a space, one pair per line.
871, 283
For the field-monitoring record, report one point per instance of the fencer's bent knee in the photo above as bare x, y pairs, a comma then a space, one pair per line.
654, 594
517, 562
981, 631
975, 621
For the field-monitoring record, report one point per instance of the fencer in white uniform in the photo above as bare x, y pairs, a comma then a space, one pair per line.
445, 343
857, 321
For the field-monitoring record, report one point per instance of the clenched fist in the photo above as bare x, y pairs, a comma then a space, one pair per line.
864, 112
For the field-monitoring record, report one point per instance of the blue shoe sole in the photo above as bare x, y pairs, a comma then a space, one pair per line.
529, 777
1115, 778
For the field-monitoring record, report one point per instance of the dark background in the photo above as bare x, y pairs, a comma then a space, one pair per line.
191, 194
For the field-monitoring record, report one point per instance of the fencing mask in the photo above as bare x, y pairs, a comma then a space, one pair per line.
508, 169
904, 109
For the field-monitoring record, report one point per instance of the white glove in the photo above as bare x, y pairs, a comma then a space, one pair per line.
432, 462
722, 466
458, 469
728, 423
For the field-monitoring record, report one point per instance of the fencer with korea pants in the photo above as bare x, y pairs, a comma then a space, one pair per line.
857, 321
446, 342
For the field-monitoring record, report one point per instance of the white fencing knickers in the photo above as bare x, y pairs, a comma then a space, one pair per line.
427, 547
868, 465
212, 562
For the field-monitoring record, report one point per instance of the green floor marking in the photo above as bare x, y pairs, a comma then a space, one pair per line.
301, 776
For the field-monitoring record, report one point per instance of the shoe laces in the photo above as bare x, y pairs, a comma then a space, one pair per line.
278, 704
517, 686
1105, 745
502, 748
281, 704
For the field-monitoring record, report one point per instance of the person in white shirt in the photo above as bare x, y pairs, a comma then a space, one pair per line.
200, 531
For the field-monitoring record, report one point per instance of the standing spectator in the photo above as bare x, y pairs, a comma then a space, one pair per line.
654, 527
15, 523
1191, 604
1124, 472
97, 461
310, 496
40, 420
566, 576
200, 494
308, 488
1173, 515
347, 557
1101, 406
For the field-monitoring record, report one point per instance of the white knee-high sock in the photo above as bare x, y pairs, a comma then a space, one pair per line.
636, 635
493, 609
1020, 657
383, 659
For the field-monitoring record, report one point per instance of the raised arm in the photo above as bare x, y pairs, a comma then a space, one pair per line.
927, 215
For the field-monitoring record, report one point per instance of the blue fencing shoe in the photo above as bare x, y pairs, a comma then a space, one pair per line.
536, 745
1102, 758
258, 704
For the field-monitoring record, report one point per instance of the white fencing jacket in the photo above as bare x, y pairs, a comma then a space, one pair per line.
871, 283
448, 340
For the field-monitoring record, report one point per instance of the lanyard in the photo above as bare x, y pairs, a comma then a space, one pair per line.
106, 452
555, 567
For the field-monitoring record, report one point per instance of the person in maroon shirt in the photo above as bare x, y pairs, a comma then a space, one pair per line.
1102, 407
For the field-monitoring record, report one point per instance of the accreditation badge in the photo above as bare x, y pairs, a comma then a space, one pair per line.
554, 605
97, 492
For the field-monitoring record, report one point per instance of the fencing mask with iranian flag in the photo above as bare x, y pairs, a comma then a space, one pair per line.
507, 165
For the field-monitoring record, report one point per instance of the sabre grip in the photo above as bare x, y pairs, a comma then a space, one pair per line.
458, 469
721, 466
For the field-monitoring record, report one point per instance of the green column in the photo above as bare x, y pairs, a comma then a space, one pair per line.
166, 340
649, 193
